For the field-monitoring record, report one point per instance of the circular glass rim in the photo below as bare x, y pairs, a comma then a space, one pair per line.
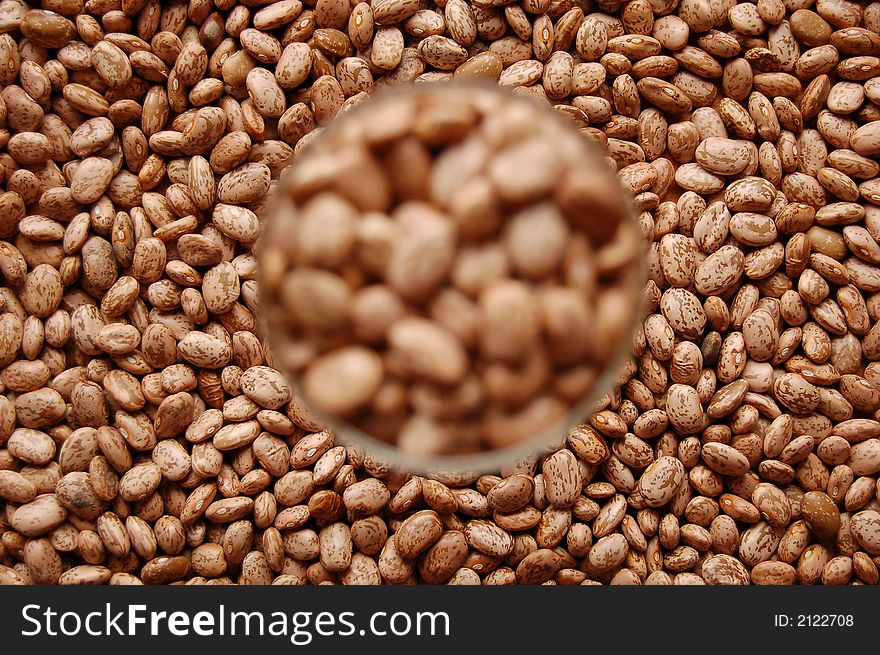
488, 461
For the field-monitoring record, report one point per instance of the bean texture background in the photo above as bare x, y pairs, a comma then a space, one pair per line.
146, 435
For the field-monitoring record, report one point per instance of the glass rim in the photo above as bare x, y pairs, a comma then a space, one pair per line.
486, 461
